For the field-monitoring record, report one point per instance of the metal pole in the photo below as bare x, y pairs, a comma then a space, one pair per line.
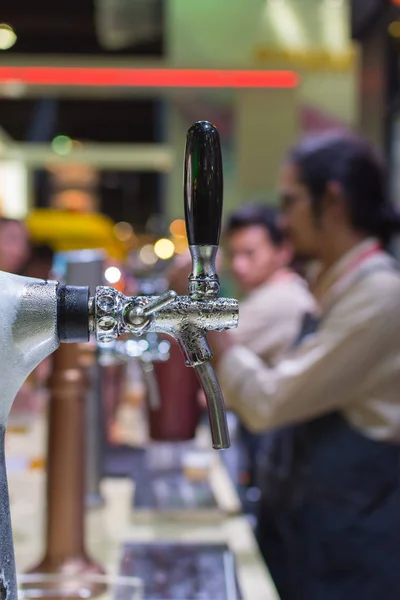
65, 548
88, 266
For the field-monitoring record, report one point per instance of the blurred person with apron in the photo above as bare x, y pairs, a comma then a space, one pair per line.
275, 299
329, 524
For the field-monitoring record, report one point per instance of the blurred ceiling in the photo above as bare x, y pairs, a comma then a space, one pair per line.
95, 27
82, 119
199, 35
99, 28
291, 25
80, 29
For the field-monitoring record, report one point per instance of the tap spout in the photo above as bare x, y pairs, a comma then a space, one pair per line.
215, 404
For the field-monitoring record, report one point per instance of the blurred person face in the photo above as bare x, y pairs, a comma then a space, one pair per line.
305, 232
14, 246
314, 235
253, 257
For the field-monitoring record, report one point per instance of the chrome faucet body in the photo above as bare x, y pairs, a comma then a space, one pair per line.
184, 318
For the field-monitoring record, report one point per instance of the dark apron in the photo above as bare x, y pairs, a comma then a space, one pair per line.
329, 521
251, 443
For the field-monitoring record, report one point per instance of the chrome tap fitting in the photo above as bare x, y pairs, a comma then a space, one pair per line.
183, 318
147, 350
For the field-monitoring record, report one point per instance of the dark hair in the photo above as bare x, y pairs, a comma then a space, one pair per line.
257, 215
349, 160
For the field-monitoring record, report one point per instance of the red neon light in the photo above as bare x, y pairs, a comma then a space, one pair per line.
150, 78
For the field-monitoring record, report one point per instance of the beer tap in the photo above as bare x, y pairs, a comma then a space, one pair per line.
186, 318
36, 316
147, 350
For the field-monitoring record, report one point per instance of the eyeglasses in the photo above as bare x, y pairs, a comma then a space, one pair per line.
288, 200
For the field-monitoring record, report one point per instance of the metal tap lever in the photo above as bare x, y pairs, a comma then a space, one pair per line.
160, 302
203, 192
203, 186
140, 315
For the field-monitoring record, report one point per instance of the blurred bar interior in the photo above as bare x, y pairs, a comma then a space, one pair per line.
96, 97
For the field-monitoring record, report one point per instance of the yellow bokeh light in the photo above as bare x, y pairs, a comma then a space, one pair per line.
394, 29
164, 249
181, 244
178, 228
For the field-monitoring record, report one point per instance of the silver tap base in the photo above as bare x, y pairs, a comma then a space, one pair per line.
215, 404
28, 333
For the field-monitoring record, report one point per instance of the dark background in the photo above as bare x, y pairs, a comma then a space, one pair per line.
46, 27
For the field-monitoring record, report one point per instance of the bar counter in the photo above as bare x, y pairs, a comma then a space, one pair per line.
116, 523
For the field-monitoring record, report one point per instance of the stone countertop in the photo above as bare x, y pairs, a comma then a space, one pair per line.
116, 523
109, 527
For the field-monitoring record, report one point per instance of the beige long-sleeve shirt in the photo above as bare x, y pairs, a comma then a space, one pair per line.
271, 316
352, 363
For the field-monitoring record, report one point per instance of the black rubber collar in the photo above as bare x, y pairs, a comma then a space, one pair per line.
73, 313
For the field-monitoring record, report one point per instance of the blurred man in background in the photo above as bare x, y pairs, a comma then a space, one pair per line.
276, 299
330, 512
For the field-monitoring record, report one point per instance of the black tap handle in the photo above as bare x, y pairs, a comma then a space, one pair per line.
203, 184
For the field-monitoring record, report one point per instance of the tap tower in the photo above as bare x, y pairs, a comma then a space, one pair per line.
36, 316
